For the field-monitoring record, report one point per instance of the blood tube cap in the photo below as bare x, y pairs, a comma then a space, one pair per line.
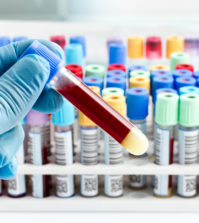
140, 82
196, 74
163, 90
197, 82
153, 47
55, 62
137, 100
112, 91
74, 54
140, 73
59, 39
118, 82
113, 39
95, 70
116, 67
159, 67
181, 73
185, 67
4, 40
83, 120
19, 38
117, 53
117, 102
136, 67
116, 73
188, 90
75, 69
36, 118
79, 40
94, 81
178, 58
65, 116
135, 47
184, 81
188, 112
174, 44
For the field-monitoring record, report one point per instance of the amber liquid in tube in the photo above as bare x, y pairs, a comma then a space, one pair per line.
96, 109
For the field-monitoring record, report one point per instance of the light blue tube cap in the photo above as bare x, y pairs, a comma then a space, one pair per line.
79, 40
188, 90
74, 54
65, 116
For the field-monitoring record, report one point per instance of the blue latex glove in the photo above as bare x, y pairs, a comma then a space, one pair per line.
21, 88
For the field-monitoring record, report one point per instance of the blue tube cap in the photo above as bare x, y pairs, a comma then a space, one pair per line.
184, 81
117, 53
189, 90
65, 116
196, 74
163, 90
197, 82
118, 82
94, 81
74, 54
19, 38
136, 67
4, 40
55, 62
137, 100
161, 82
116, 73
79, 40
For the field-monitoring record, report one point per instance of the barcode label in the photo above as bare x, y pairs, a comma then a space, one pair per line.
161, 185
17, 186
89, 185
89, 146
187, 185
137, 181
113, 151
188, 146
20, 155
63, 148
64, 185
113, 185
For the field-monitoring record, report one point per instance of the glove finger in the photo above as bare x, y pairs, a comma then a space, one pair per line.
9, 171
10, 54
10, 142
49, 101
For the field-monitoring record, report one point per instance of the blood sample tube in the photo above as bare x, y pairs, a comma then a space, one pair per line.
136, 67
140, 73
117, 53
138, 98
159, 67
178, 58
4, 40
112, 91
188, 142
184, 81
118, 82
19, 38
116, 73
74, 54
63, 121
60, 40
135, 50
174, 44
181, 73
94, 81
113, 151
75, 69
88, 152
90, 103
116, 67
95, 70
166, 117
185, 67
143, 82
79, 40
189, 90
17, 186
38, 143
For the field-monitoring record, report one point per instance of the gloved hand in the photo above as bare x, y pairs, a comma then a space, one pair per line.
21, 88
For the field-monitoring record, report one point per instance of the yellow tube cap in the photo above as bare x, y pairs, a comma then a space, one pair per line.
135, 47
159, 67
117, 102
174, 44
143, 82
82, 119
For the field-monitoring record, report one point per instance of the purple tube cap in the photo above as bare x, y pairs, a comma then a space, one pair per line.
36, 118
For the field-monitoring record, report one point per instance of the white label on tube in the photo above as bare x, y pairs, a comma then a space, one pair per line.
113, 185
35, 143
161, 185
187, 185
37, 186
89, 185
17, 186
64, 185
137, 181
64, 148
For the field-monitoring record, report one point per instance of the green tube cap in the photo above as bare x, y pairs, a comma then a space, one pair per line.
95, 70
189, 110
112, 91
166, 111
178, 58
141, 73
